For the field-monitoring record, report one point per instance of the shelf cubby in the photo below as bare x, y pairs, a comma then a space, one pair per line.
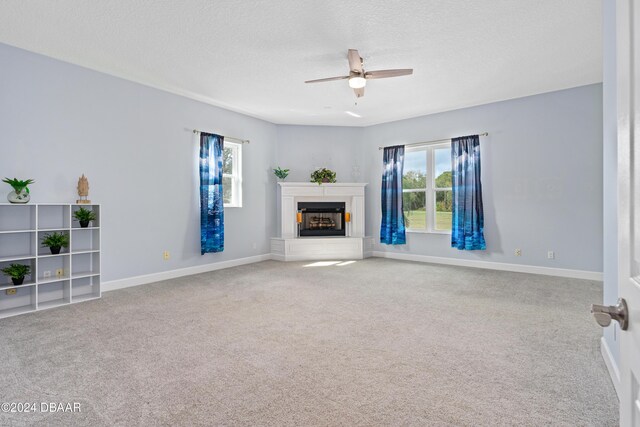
23, 301
17, 245
45, 251
84, 288
53, 294
17, 218
85, 239
49, 266
54, 217
85, 264
95, 208
7, 283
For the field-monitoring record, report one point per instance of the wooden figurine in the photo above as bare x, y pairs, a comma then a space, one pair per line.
83, 190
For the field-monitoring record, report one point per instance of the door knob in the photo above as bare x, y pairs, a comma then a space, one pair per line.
605, 313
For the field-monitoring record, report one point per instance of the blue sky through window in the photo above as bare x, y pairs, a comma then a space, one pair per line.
417, 161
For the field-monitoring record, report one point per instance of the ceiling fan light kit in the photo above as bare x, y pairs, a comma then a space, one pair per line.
357, 82
358, 76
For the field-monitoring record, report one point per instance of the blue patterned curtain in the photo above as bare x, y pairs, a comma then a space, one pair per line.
467, 228
392, 226
211, 202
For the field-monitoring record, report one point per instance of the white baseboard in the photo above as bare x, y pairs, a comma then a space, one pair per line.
503, 266
612, 366
172, 274
277, 257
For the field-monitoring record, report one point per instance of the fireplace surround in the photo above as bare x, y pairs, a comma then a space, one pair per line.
312, 222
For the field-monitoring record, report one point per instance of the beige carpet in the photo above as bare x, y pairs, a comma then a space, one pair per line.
374, 342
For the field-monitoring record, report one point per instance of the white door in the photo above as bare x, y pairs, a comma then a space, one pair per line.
628, 93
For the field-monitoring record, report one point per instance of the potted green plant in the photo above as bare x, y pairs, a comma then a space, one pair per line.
55, 241
84, 216
323, 175
20, 193
281, 173
17, 273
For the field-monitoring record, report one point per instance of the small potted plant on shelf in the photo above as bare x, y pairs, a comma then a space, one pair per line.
84, 216
281, 173
323, 175
20, 193
17, 273
55, 241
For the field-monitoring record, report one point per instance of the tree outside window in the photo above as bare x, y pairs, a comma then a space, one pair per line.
427, 193
232, 175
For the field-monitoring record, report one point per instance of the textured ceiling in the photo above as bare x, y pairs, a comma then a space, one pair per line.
254, 56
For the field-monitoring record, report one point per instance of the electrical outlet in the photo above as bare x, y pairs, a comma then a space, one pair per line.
518, 252
59, 272
255, 245
46, 274
11, 291
166, 255
551, 255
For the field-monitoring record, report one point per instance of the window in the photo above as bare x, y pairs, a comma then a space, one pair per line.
232, 175
426, 188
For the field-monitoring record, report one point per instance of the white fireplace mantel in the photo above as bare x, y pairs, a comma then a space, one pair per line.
290, 193
289, 246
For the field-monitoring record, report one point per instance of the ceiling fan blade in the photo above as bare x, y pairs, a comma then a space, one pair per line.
328, 79
359, 92
383, 74
355, 61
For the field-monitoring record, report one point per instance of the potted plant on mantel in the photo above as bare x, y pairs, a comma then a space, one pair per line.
84, 216
20, 193
55, 242
17, 273
281, 173
323, 175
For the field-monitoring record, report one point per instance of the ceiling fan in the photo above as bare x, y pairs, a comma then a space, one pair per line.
358, 76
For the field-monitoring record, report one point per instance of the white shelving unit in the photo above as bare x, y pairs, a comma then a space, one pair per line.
55, 280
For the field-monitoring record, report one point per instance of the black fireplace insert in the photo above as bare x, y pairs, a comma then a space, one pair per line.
322, 219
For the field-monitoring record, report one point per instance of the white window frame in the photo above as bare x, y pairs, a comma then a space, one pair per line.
236, 175
430, 188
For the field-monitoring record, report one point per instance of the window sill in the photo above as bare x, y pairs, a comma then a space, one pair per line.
448, 233
232, 206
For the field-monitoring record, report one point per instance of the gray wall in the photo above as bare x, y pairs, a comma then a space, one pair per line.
302, 149
610, 170
541, 176
136, 146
